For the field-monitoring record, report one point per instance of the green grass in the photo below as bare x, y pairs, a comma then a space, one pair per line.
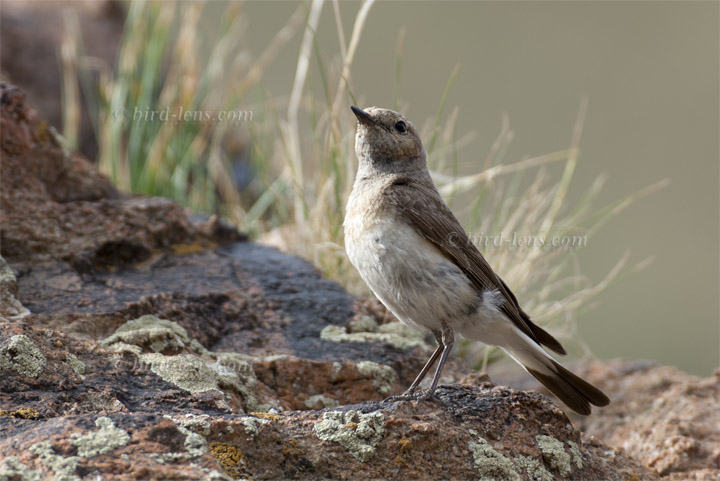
303, 151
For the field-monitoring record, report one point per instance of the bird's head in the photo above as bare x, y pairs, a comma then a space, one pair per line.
387, 142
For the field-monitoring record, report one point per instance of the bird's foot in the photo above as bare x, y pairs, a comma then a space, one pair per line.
414, 395
406, 396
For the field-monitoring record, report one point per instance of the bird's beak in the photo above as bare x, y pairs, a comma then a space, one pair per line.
362, 116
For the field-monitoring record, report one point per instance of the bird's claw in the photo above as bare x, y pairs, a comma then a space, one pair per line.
414, 396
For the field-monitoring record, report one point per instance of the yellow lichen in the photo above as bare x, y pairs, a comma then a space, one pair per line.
41, 132
401, 461
404, 446
292, 449
24, 413
231, 459
193, 248
270, 416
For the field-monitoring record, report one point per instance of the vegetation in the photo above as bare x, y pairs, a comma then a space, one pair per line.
302, 149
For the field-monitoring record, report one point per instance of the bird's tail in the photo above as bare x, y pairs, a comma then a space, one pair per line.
574, 391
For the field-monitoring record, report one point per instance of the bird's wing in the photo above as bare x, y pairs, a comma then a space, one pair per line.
423, 207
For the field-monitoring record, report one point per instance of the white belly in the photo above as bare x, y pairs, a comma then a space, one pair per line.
410, 275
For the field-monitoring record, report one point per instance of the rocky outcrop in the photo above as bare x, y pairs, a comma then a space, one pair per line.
138, 343
664, 418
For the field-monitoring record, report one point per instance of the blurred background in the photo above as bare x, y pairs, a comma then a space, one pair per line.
591, 119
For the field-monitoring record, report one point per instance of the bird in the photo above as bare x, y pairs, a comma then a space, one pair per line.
417, 259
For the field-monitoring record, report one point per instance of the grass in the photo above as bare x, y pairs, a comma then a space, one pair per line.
303, 153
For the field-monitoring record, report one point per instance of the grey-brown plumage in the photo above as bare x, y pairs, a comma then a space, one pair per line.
417, 259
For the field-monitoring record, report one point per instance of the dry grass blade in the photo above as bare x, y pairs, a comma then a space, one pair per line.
160, 66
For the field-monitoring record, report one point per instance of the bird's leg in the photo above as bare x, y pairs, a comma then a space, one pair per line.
442, 338
423, 372
447, 340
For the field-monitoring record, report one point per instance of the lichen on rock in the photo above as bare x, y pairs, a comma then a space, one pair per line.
11, 468
231, 459
252, 424
576, 454
358, 433
383, 376
366, 329
491, 464
325, 401
89, 445
22, 356
76, 364
533, 468
554, 452
10, 307
185, 371
107, 438
151, 334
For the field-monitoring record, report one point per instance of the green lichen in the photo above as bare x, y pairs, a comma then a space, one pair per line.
76, 364
89, 445
195, 446
235, 371
12, 469
252, 424
151, 338
554, 452
62, 466
336, 368
10, 306
198, 348
276, 357
358, 433
363, 324
99, 442
383, 376
367, 330
491, 464
534, 469
124, 347
214, 475
199, 423
195, 374
194, 443
576, 454
325, 401
185, 371
22, 356
150, 333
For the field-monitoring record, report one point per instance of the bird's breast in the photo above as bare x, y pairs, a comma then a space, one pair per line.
407, 272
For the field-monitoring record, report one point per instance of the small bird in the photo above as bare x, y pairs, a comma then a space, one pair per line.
415, 256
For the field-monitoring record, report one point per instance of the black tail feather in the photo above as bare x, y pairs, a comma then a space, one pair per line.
544, 337
574, 391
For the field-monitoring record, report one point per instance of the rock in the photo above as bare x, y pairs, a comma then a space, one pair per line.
10, 307
470, 432
664, 418
57, 207
137, 342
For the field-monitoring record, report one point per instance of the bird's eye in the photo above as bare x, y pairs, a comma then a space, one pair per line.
401, 127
